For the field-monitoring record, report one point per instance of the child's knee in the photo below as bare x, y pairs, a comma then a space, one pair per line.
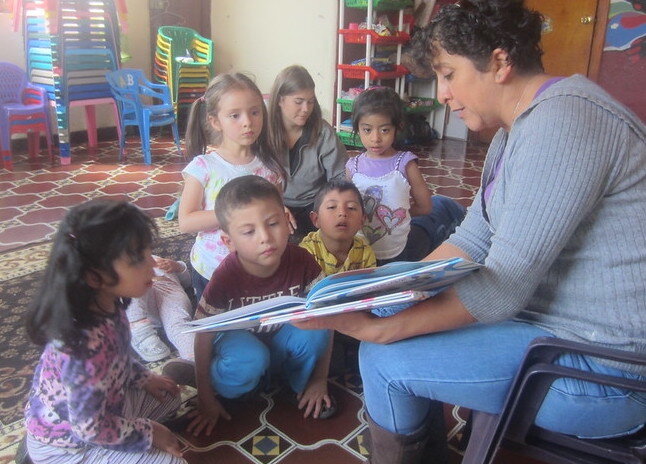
310, 343
234, 373
253, 358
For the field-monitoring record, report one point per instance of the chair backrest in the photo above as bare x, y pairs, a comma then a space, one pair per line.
124, 84
125, 81
185, 42
13, 80
180, 38
134, 93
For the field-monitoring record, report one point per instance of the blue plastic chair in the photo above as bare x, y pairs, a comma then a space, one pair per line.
128, 86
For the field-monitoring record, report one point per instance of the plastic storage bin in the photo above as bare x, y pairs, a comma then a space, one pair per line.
350, 139
422, 105
358, 72
358, 36
380, 4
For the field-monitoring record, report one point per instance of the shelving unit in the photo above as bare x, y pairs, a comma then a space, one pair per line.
349, 47
436, 113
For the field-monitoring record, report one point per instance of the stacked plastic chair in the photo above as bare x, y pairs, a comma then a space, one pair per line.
70, 45
24, 108
184, 62
128, 87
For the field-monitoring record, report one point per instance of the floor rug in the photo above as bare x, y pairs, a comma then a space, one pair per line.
268, 430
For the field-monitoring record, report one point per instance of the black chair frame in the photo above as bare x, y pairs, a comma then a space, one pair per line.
514, 428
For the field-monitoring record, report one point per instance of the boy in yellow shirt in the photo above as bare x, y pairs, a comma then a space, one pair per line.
339, 215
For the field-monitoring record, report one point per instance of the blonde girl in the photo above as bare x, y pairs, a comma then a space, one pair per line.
226, 136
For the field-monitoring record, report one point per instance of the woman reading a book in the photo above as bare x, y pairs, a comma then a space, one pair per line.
559, 224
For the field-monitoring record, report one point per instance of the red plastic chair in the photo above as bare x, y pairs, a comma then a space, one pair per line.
23, 109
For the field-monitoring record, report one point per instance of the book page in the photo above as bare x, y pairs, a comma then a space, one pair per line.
360, 305
385, 287
352, 278
280, 302
392, 278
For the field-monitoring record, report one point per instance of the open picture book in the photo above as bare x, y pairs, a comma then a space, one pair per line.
392, 286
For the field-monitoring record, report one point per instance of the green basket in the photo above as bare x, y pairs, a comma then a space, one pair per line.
350, 139
430, 104
346, 105
380, 4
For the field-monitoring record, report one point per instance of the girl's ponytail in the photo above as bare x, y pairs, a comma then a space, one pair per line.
267, 155
64, 288
196, 129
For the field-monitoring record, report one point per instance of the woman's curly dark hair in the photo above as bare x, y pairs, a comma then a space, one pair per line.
475, 28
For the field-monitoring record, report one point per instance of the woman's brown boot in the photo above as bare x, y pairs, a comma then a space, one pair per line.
392, 448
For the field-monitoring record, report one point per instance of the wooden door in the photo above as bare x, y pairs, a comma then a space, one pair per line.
568, 33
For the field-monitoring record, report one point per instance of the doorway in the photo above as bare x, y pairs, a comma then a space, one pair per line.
573, 33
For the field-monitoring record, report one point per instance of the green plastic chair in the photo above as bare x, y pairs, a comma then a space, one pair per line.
185, 54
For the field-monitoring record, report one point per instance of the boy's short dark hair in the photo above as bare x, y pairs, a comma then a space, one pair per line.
340, 185
240, 192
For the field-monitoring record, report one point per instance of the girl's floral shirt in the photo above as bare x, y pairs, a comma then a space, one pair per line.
213, 171
77, 397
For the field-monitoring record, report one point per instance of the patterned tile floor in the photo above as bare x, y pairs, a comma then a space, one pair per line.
37, 193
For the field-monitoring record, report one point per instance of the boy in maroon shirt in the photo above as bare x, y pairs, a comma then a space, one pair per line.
261, 265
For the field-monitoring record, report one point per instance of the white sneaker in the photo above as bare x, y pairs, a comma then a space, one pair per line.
147, 343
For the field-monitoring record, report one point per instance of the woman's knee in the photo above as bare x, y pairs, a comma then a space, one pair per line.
373, 357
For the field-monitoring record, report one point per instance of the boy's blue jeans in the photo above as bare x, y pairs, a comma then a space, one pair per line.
474, 367
240, 358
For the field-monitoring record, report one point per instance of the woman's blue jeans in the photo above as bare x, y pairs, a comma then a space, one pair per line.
241, 358
474, 367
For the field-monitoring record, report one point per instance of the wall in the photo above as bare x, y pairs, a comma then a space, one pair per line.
12, 49
263, 37
257, 37
623, 62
